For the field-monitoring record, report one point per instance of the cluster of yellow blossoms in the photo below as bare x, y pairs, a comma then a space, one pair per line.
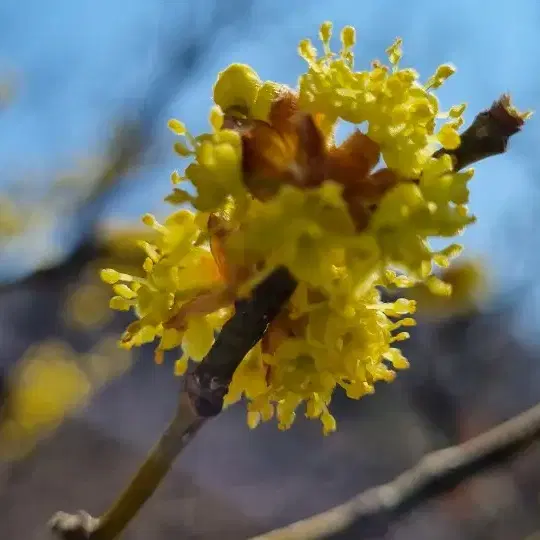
274, 188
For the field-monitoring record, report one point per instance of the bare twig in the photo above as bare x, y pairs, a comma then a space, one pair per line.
207, 384
205, 388
369, 513
176, 437
489, 133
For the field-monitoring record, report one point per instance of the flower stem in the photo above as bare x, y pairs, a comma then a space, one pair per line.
176, 437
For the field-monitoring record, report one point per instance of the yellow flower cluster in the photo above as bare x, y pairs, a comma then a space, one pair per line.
274, 188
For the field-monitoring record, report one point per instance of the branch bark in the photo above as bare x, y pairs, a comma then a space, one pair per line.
207, 384
176, 437
488, 135
369, 514
204, 389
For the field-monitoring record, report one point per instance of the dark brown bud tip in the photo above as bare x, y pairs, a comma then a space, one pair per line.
507, 116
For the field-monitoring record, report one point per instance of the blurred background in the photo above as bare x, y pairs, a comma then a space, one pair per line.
86, 89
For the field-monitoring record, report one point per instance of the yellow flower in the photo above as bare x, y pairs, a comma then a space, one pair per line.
271, 187
236, 88
180, 291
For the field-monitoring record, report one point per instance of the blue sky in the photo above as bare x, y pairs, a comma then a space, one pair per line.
78, 64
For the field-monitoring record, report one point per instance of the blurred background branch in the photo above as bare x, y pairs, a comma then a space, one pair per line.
79, 297
178, 56
369, 514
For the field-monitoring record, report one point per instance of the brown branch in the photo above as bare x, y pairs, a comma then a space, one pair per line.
489, 133
205, 388
207, 384
368, 514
